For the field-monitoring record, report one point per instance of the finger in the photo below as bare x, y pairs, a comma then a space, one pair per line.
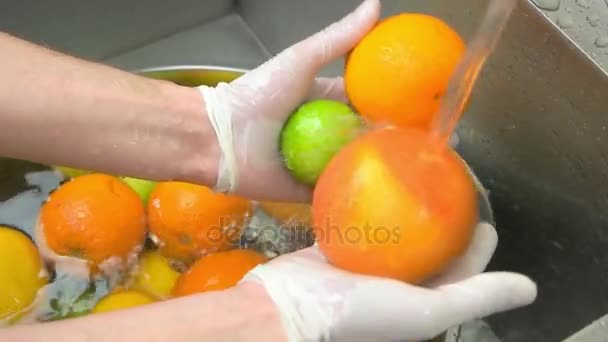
281, 186
476, 258
337, 39
313, 253
329, 88
482, 295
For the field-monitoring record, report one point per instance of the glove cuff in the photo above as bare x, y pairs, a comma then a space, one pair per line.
302, 316
220, 117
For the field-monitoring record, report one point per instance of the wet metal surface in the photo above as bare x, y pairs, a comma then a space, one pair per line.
584, 21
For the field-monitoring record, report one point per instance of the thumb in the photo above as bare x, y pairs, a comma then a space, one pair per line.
340, 37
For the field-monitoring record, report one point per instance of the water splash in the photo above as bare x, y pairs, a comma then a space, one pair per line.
21, 210
565, 21
583, 3
593, 20
462, 82
547, 5
601, 41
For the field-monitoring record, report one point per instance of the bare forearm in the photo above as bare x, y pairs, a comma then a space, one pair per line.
239, 314
57, 109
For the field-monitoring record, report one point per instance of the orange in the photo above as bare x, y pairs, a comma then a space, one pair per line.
391, 205
191, 220
288, 213
93, 217
400, 70
217, 271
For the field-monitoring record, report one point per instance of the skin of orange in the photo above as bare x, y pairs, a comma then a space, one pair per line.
191, 220
93, 217
400, 70
390, 205
217, 271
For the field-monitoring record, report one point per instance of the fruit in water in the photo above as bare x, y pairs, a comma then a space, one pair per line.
399, 71
21, 273
155, 275
142, 187
288, 214
390, 204
217, 271
313, 134
70, 172
191, 220
122, 299
94, 217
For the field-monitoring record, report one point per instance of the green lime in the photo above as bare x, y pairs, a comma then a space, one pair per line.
70, 172
314, 133
142, 187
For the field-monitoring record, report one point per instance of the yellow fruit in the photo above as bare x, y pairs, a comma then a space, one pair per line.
21, 273
155, 275
122, 300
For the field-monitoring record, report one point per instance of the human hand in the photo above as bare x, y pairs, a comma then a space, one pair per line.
319, 302
248, 113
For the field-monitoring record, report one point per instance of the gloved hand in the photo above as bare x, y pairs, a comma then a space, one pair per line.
318, 302
248, 113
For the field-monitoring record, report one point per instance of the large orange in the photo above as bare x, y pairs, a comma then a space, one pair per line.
399, 71
390, 205
217, 271
191, 220
93, 217
287, 213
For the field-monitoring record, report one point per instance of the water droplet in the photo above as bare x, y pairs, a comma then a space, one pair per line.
593, 19
565, 21
583, 3
548, 5
601, 41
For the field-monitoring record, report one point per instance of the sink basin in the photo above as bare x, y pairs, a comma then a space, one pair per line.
536, 133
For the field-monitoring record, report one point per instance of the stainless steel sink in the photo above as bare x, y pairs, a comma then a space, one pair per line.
536, 131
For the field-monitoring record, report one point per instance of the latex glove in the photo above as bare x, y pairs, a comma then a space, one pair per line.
318, 302
249, 113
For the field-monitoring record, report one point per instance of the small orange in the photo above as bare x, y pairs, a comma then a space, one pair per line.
392, 205
217, 271
288, 214
398, 72
191, 220
93, 217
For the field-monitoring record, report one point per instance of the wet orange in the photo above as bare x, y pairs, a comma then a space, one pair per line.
93, 217
288, 213
191, 220
399, 71
390, 205
217, 271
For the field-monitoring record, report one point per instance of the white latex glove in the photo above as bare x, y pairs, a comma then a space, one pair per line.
248, 114
318, 302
